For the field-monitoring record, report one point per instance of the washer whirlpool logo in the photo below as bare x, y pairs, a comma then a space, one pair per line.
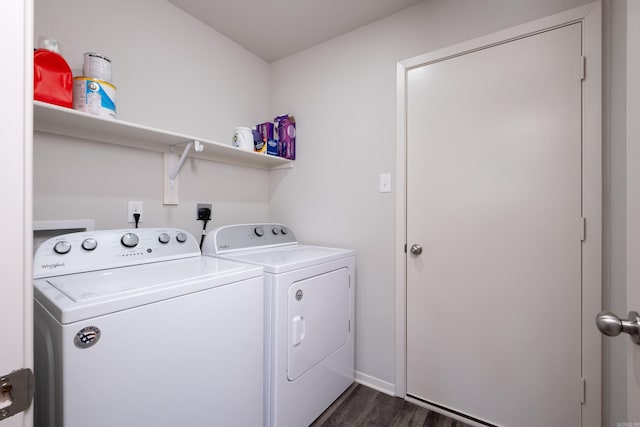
52, 266
87, 337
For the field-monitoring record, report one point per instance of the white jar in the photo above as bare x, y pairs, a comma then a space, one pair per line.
243, 138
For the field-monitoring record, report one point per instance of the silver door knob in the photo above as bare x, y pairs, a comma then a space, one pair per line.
611, 325
416, 249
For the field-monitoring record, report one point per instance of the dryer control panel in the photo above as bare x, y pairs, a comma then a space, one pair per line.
102, 249
232, 238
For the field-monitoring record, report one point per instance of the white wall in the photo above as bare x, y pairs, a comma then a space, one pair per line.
76, 179
172, 72
342, 93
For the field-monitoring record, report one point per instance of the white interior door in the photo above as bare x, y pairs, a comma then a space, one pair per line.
633, 204
16, 321
494, 199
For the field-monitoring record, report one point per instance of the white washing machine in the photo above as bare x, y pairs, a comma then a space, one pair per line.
309, 313
135, 328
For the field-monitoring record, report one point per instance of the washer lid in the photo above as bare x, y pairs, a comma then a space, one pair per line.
288, 258
79, 296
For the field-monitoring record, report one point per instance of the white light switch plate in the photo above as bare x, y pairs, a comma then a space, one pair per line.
385, 183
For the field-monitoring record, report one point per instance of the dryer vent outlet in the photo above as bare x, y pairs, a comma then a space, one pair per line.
204, 211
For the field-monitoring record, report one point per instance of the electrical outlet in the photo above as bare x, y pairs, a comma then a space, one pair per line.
134, 207
201, 206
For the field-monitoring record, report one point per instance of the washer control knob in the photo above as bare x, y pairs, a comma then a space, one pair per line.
275, 231
259, 231
89, 244
62, 247
181, 237
284, 230
164, 238
130, 240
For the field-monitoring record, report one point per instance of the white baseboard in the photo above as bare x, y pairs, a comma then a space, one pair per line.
375, 383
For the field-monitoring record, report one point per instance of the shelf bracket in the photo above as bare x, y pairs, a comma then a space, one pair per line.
172, 149
172, 167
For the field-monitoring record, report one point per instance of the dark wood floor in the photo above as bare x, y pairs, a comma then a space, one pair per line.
362, 406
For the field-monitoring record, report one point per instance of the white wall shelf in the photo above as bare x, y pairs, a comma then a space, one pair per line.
65, 121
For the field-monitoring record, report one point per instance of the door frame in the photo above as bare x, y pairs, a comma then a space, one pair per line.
633, 205
16, 132
590, 16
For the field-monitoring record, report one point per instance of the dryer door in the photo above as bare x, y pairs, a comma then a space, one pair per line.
319, 323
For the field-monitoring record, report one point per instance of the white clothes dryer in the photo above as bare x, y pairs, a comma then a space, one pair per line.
309, 313
135, 328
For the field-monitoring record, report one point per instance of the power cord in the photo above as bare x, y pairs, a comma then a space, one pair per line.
204, 215
136, 218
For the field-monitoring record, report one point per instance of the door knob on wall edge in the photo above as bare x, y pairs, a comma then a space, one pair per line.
416, 249
611, 325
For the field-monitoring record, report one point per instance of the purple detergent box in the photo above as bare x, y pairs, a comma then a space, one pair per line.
265, 130
285, 130
259, 144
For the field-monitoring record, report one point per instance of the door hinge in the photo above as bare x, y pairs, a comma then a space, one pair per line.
405, 248
583, 228
349, 326
583, 385
16, 392
583, 67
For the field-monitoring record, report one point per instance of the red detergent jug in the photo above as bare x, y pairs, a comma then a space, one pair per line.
52, 79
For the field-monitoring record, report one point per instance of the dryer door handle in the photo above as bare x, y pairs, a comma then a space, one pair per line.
297, 330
